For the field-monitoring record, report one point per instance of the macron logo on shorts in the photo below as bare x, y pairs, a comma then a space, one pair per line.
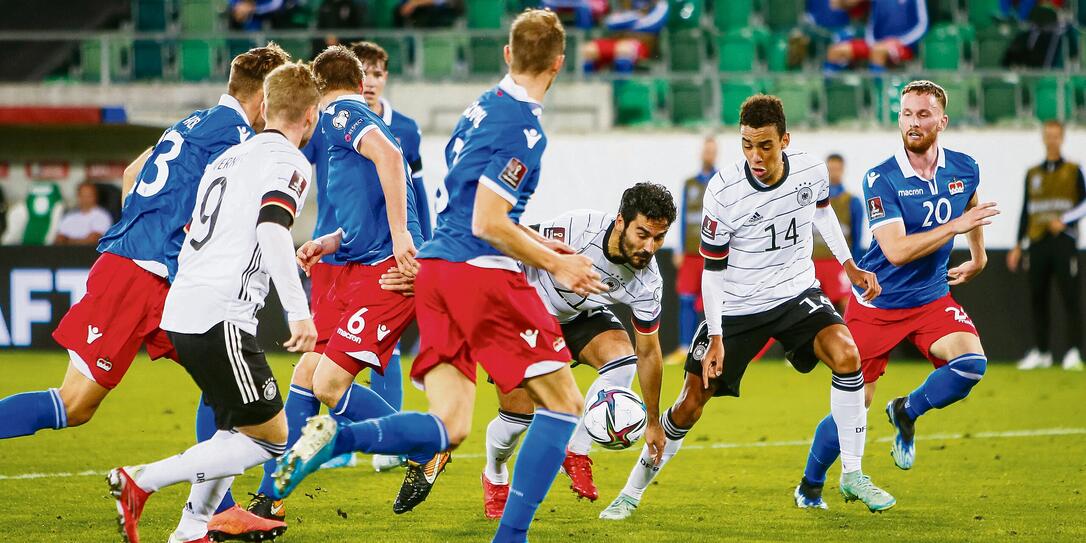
92, 333
530, 337
382, 332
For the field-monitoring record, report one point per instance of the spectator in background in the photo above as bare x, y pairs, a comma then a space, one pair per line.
338, 15
585, 12
253, 15
428, 13
687, 259
850, 212
34, 220
894, 28
85, 224
633, 32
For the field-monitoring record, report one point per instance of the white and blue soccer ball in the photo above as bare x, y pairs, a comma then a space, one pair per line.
615, 417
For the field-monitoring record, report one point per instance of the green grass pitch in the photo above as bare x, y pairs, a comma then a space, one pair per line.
1007, 464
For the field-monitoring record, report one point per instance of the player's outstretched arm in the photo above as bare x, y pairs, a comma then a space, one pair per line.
388, 160
900, 249
650, 371
491, 222
979, 257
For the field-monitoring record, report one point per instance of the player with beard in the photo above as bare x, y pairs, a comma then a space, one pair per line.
918, 201
622, 249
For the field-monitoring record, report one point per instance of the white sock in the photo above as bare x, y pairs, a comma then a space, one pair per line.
850, 416
226, 454
644, 471
502, 435
616, 373
203, 499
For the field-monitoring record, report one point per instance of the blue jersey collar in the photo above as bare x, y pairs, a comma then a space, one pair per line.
518, 92
234, 104
907, 170
356, 97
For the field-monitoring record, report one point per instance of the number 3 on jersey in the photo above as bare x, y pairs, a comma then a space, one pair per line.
162, 166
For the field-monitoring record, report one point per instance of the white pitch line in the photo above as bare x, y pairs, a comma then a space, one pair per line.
1040, 432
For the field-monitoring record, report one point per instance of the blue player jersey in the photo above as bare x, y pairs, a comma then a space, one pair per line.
498, 143
353, 187
905, 20
316, 152
895, 193
153, 218
409, 137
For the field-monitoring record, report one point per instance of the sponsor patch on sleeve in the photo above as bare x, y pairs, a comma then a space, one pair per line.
297, 183
555, 232
874, 208
708, 227
513, 173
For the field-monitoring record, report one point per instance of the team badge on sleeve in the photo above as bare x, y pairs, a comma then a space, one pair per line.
874, 208
340, 120
513, 173
708, 227
956, 186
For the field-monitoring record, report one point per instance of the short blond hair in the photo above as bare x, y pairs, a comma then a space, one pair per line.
923, 87
536, 38
289, 91
248, 70
337, 68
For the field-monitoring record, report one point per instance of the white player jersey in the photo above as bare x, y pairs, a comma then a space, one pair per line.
587, 232
220, 275
765, 233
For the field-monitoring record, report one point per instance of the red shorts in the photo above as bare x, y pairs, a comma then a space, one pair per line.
321, 278
899, 52
878, 331
469, 314
120, 312
368, 320
607, 46
832, 278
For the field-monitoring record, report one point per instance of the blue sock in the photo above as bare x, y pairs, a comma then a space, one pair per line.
624, 66
205, 428
26, 413
358, 404
300, 405
688, 320
947, 384
541, 455
825, 448
390, 385
410, 433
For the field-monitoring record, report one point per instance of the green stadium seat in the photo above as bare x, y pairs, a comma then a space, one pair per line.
148, 59
782, 15
152, 15
732, 14
199, 60
439, 55
299, 48
886, 97
941, 48
1077, 85
382, 13
737, 51
777, 52
687, 103
983, 13
90, 53
844, 99
237, 46
199, 15
634, 102
485, 14
485, 55
687, 51
959, 106
1048, 93
999, 98
733, 92
798, 95
397, 53
684, 14
992, 43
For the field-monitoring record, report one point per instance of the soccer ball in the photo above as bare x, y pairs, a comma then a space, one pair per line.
615, 417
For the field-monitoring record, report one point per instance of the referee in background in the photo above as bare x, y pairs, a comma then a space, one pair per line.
1055, 199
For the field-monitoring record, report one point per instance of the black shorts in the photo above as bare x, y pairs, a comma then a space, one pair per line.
794, 324
580, 331
229, 367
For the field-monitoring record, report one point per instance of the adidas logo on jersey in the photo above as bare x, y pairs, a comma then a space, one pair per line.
92, 333
754, 219
530, 337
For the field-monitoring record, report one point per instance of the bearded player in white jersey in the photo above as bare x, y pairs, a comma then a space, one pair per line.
759, 284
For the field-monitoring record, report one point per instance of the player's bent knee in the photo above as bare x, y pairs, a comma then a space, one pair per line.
79, 414
971, 366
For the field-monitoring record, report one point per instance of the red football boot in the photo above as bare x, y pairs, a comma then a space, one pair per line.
579, 469
130, 500
237, 523
494, 498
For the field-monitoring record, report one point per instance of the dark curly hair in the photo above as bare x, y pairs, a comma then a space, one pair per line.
652, 200
763, 110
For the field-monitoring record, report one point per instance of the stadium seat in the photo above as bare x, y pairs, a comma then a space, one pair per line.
959, 106
941, 48
992, 44
199, 15
1048, 94
984, 13
844, 99
798, 95
237, 46
199, 59
733, 92
382, 13
485, 55
485, 14
999, 98
886, 97
90, 53
148, 59
299, 48
152, 15
776, 51
732, 14
685, 14
439, 55
686, 51
687, 103
737, 51
782, 15
397, 53
633, 101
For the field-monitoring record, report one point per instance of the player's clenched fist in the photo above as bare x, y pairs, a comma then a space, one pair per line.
863, 279
576, 273
308, 255
403, 249
974, 217
303, 336
712, 365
